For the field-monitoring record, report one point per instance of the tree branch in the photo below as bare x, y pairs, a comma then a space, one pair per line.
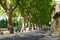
14, 7
3, 5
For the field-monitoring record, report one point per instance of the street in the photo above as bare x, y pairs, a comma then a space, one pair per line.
33, 35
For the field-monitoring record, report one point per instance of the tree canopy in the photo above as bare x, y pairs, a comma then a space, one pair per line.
38, 11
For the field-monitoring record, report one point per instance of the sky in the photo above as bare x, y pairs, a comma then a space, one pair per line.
57, 0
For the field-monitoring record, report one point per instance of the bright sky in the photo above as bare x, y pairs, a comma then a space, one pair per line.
57, 0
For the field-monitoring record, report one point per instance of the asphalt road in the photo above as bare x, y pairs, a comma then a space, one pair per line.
33, 35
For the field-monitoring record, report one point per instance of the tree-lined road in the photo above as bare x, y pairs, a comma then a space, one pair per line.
34, 35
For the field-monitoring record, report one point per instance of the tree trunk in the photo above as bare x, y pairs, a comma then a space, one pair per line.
59, 25
29, 25
22, 29
32, 26
10, 28
55, 27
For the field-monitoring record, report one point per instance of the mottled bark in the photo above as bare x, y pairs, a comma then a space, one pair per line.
55, 27
58, 27
10, 28
32, 26
35, 27
22, 29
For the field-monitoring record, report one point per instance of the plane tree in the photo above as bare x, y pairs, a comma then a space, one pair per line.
9, 6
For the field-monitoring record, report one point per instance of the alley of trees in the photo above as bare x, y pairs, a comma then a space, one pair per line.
29, 12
